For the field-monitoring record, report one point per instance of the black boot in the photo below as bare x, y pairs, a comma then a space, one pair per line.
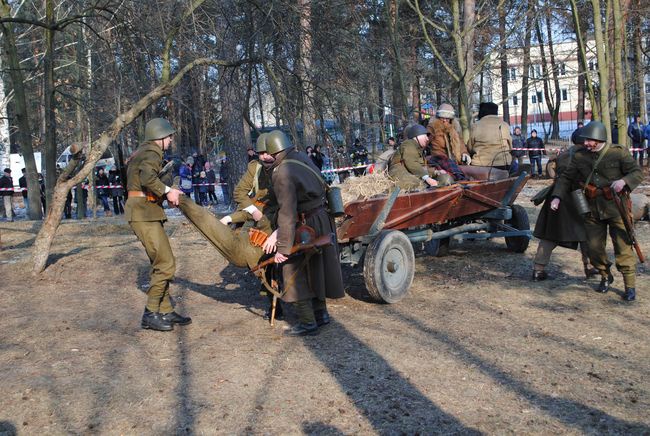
322, 317
155, 321
590, 271
174, 318
630, 294
279, 313
538, 276
605, 281
303, 329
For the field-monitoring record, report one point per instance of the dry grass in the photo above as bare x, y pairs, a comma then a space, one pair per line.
365, 187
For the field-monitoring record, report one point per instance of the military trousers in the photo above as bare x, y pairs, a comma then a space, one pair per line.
546, 247
163, 265
233, 245
597, 240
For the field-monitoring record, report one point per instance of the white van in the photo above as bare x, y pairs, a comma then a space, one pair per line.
106, 160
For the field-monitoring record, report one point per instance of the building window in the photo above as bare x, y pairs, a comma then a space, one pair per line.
533, 99
565, 95
562, 69
515, 100
512, 74
540, 97
593, 65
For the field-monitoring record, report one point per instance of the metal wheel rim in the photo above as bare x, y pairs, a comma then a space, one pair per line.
393, 269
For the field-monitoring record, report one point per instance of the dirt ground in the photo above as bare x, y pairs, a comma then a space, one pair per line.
476, 347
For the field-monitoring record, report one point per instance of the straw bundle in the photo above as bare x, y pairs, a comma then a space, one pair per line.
365, 187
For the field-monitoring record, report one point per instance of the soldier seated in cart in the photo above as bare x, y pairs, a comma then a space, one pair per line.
408, 166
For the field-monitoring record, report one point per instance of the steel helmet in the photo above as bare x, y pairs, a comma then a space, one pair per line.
594, 130
446, 111
415, 130
158, 128
260, 144
276, 141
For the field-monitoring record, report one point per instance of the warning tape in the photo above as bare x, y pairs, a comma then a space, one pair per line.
336, 170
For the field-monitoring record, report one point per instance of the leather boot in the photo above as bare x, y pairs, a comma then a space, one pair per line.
539, 276
174, 318
630, 294
322, 317
605, 281
590, 271
303, 329
279, 313
154, 321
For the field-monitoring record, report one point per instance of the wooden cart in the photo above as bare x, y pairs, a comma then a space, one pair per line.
384, 228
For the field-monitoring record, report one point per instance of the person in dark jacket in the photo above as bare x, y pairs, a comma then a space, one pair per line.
536, 150
7, 184
103, 191
518, 144
564, 227
317, 157
635, 132
211, 178
22, 182
117, 191
574, 135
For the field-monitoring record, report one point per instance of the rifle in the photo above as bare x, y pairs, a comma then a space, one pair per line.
627, 222
320, 242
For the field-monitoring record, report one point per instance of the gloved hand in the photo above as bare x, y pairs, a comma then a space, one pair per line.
618, 185
465, 159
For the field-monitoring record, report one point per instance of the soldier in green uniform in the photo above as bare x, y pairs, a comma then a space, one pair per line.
252, 191
300, 194
600, 167
145, 215
408, 166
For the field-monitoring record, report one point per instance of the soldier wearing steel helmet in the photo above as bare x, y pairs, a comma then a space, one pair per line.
601, 168
408, 166
300, 193
252, 191
145, 215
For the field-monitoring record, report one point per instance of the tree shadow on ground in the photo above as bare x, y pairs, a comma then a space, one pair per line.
237, 286
572, 413
387, 399
7, 429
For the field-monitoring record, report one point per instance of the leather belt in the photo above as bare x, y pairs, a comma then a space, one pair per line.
310, 213
136, 194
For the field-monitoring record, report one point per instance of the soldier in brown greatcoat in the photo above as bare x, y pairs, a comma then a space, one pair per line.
300, 195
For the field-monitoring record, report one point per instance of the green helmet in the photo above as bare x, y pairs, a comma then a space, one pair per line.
594, 130
415, 130
158, 128
260, 145
276, 141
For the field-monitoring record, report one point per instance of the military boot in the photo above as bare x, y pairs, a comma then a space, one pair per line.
154, 321
590, 271
174, 318
307, 325
629, 295
605, 281
539, 276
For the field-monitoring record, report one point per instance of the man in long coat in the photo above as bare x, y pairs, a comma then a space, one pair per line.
300, 193
565, 227
603, 167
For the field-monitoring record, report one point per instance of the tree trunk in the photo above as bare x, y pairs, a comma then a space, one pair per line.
603, 69
505, 101
49, 105
308, 113
619, 75
400, 108
582, 58
22, 119
639, 67
526, 68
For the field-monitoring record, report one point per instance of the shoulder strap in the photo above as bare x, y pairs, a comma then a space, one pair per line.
602, 155
302, 164
256, 180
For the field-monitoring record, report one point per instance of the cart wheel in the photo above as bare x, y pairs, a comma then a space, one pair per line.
519, 221
437, 247
389, 265
551, 167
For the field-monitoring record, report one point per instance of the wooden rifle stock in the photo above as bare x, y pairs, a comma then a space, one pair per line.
627, 222
321, 241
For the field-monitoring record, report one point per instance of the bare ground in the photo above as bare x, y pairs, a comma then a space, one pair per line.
475, 348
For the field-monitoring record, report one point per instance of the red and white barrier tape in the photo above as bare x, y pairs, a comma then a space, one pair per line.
336, 170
